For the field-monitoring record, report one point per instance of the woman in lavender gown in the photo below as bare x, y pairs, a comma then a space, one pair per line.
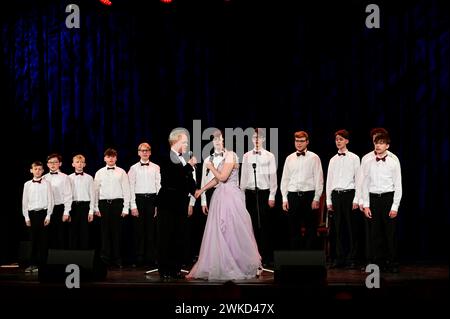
228, 250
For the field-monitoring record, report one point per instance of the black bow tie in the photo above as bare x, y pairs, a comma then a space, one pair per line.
180, 154
381, 159
79, 173
218, 154
343, 154
37, 181
144, 164
257, 152
53, 173
300, 153
110, 167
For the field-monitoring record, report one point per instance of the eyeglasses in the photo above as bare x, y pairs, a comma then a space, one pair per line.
300, 141
144, 150
53, 162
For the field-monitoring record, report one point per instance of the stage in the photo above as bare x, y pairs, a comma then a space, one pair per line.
416, 284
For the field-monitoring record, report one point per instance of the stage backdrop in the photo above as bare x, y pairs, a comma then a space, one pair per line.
137, 69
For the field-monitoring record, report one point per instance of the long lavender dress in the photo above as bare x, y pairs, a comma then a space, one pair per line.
228, 250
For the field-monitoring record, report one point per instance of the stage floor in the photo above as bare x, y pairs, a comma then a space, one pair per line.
134, 286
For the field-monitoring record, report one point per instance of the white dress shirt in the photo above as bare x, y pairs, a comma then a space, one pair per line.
83, 189
61, 189
266, 172
37, 196
342, 174
301, 174
361, 173
144, 179
382, 177
112, 184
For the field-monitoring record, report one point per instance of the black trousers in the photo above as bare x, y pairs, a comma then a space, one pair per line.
346, 226
259, 210
144, 230
111, 230
384, 234
79, 226
39, 237
172, 224
58, 231
301, 214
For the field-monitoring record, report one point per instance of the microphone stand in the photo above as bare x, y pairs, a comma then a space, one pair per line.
259, 272
257, 198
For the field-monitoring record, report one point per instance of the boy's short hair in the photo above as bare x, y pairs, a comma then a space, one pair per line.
260, 132
53, 155
37, 163
217, 133
378, 130
111, 152
382, 138
344, 133
300, 134
144, 145
79, 157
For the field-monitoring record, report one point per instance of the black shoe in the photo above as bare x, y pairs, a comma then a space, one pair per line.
336, 265
178, 275
351, 266
394, 269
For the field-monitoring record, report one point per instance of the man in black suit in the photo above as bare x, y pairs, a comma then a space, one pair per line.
176, 183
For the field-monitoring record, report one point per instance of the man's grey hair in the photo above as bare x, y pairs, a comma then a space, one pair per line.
175, 134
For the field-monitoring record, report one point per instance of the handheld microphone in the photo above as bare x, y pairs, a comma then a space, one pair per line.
191, 155
254, 165
211, 158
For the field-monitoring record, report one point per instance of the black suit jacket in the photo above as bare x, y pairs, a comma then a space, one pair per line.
176, 183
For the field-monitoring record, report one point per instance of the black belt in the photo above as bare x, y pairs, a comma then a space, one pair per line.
148, 195
37, 210
341, 191
301, 193
110, 201
381, 194
256, 190
79, 202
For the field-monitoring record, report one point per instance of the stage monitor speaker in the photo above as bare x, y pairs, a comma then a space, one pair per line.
91, 267
300, 267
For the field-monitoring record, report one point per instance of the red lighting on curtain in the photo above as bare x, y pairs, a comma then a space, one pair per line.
106, 2
166, 1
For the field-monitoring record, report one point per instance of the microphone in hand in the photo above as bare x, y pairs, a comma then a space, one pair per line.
211, 158
192, 159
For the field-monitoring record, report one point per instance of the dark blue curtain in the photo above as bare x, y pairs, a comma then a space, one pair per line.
137, 69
